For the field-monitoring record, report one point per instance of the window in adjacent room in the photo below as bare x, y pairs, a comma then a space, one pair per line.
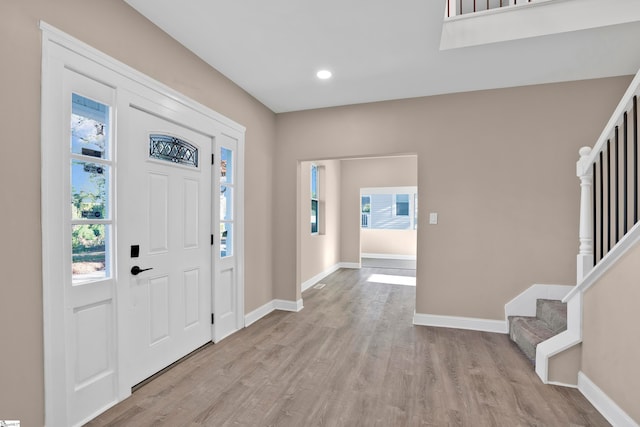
390, 208
365, 211
402, 204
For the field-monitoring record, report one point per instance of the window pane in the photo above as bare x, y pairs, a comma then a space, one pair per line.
226, 204
89, 127
366, 204
402, 204
226, 165
172, 149
89, 252
89, 190
226, 239
314, 216
314, 181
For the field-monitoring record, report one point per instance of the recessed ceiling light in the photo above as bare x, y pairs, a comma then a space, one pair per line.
324, 74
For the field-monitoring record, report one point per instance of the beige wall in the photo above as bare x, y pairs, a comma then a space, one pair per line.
497, 166
371, 172
319, 252
388, 242
611, 344
114, 28
564, 366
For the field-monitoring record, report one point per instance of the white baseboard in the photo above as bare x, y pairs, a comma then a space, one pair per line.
285, 305
389, 256
276, 304
603, 403
315, 279
350, 265
259, 313
558, 383
471, 323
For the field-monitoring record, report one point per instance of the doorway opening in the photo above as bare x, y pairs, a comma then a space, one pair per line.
330, 208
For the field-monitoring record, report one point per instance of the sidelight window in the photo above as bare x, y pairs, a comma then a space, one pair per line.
227, 186
90, 190
315, 220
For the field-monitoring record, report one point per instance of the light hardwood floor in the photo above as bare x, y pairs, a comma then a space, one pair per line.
353, 358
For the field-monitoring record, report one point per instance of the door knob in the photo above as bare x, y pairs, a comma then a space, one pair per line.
135, 270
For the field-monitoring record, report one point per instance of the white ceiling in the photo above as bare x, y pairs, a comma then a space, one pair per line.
376, 49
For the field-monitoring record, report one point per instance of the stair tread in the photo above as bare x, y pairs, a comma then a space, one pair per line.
528, 332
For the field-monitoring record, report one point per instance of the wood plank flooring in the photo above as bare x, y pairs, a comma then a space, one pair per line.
353, 358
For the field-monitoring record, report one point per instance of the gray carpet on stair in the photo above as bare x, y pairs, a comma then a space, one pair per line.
528, 332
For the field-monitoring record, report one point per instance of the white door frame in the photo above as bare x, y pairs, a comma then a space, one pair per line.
60, 51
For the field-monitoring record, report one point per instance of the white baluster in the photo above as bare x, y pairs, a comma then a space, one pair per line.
452, 6
585, 251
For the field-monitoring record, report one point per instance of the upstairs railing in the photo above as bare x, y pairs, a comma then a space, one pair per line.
608, 172
463, 7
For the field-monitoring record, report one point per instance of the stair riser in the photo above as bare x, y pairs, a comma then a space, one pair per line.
527, 333
554, 313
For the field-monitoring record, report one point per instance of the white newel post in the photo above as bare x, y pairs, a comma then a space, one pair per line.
585, 251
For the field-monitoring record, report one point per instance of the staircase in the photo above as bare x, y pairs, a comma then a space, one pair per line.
528, 332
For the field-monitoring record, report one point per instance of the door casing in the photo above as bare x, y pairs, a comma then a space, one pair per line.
59, 52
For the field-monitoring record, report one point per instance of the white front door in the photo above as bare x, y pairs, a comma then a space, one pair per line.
110, 202
164, 244
227, 221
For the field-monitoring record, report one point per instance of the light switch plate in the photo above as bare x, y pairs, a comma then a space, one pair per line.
433, 217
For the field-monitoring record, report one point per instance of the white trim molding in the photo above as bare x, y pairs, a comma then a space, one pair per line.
603, 403
470, 323
310, 282
259, 313
350, 265
525, 303
273, 305
389, 256
315, 279
285, 305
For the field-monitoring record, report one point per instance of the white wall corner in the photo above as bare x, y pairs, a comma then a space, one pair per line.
259, 313
603, 403
285, 305
469, 323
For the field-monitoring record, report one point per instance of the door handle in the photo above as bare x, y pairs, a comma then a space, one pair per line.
135, 270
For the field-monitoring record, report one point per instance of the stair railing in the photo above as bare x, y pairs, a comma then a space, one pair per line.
609, 210
608, 173
462, 7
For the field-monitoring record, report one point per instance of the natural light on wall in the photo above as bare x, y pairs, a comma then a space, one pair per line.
392, 280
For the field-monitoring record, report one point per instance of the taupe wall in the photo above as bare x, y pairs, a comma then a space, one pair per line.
116, 29
371, 172
611, 344
497, 166
319, 252
388, 242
